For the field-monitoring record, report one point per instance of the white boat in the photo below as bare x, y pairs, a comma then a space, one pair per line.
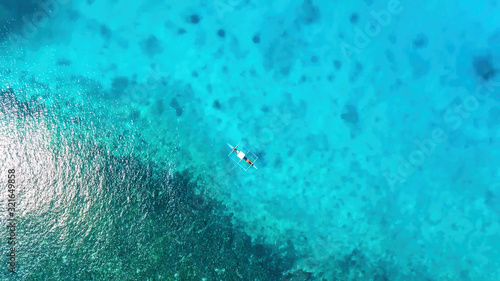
244, 159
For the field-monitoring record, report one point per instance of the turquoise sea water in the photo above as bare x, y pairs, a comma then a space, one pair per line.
376, 124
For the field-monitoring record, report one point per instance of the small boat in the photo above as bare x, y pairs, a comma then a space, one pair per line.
244, 159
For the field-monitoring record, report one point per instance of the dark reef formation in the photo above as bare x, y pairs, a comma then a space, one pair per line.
12, 13
127, 218
10, 105
483, 67
154, 225
420, 41
151, 46
351, 114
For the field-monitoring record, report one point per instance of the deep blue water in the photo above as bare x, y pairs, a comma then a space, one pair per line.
376, 125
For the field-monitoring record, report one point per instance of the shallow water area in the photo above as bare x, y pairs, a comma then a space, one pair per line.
376, 126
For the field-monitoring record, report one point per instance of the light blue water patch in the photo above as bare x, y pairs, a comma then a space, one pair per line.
375, 124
